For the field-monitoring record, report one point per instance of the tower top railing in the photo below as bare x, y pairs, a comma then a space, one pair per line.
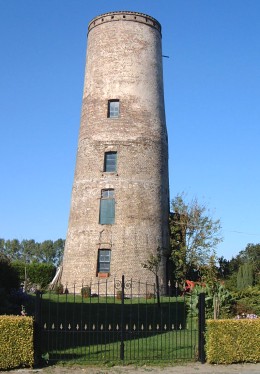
125, 16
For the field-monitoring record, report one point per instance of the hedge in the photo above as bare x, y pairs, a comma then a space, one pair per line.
232, 341
16, 342
40, 274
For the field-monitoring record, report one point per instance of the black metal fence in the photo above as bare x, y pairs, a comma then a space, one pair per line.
121, 325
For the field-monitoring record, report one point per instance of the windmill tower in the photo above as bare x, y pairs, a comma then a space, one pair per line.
120, 197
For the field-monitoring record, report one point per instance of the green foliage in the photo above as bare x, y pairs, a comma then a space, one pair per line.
38, 274
218, 300
153, 262
16, 342
245, 276
232, 341
247, 301
29, 251
194, 236
8, 276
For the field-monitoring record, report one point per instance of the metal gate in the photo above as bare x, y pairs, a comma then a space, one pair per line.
131, 323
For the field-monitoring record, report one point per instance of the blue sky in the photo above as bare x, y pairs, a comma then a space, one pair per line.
212, 95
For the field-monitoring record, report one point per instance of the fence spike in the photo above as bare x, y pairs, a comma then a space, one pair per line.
109, 327
93, 327
61, 327
69, 327
77, 327
165, 327
52, 326
86, 326
101, 327
45, 326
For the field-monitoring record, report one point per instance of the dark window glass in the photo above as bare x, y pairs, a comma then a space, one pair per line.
110, 161
104, 260
107, 208
113, 108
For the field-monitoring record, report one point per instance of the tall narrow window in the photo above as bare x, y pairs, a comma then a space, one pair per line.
110, 161
104, 260
107, 207
113, 109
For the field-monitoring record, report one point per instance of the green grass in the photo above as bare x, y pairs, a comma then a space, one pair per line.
171, 347
89, 330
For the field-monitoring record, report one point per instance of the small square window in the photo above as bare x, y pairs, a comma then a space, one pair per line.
113, 109
110, 162
104, 260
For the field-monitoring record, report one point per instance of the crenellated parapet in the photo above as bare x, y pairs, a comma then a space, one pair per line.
125, 16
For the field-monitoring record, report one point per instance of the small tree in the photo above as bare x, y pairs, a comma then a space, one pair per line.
245, 276
153, 265
194, 236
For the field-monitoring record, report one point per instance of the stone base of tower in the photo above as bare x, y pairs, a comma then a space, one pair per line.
110, 285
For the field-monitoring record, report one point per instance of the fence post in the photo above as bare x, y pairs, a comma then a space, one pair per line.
202, 328
157, 290
37, 329
122, 345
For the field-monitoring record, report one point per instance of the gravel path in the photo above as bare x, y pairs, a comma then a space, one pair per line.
191, 368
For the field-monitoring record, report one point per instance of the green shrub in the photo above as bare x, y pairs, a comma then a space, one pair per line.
247, 301
38, 274
8, 275
16, 342
86, 291
217, 303
232, 341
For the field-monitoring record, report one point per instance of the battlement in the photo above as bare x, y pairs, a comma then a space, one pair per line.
125, 16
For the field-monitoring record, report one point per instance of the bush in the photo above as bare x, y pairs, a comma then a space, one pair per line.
9, 277
16, 342
221, 299
9, 282
38, 274
59, 289
247, 301
86, 291
232, 341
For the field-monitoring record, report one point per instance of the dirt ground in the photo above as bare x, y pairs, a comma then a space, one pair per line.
191, 368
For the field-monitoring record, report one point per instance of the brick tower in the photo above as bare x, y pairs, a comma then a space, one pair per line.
120, 197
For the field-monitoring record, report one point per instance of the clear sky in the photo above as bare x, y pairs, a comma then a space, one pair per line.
212, 95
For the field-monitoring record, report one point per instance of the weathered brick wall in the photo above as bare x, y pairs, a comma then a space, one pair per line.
124, 62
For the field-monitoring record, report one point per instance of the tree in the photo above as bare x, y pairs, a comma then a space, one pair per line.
28, 251
153, 265
245, 276
194, 236
251, 255
223, 267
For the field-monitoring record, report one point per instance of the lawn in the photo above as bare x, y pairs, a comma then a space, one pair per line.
103, 329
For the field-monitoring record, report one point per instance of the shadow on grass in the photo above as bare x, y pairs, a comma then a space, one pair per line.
104, 328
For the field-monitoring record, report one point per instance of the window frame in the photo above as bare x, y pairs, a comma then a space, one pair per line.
110, 163
113, 111
107, 207
105, 252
